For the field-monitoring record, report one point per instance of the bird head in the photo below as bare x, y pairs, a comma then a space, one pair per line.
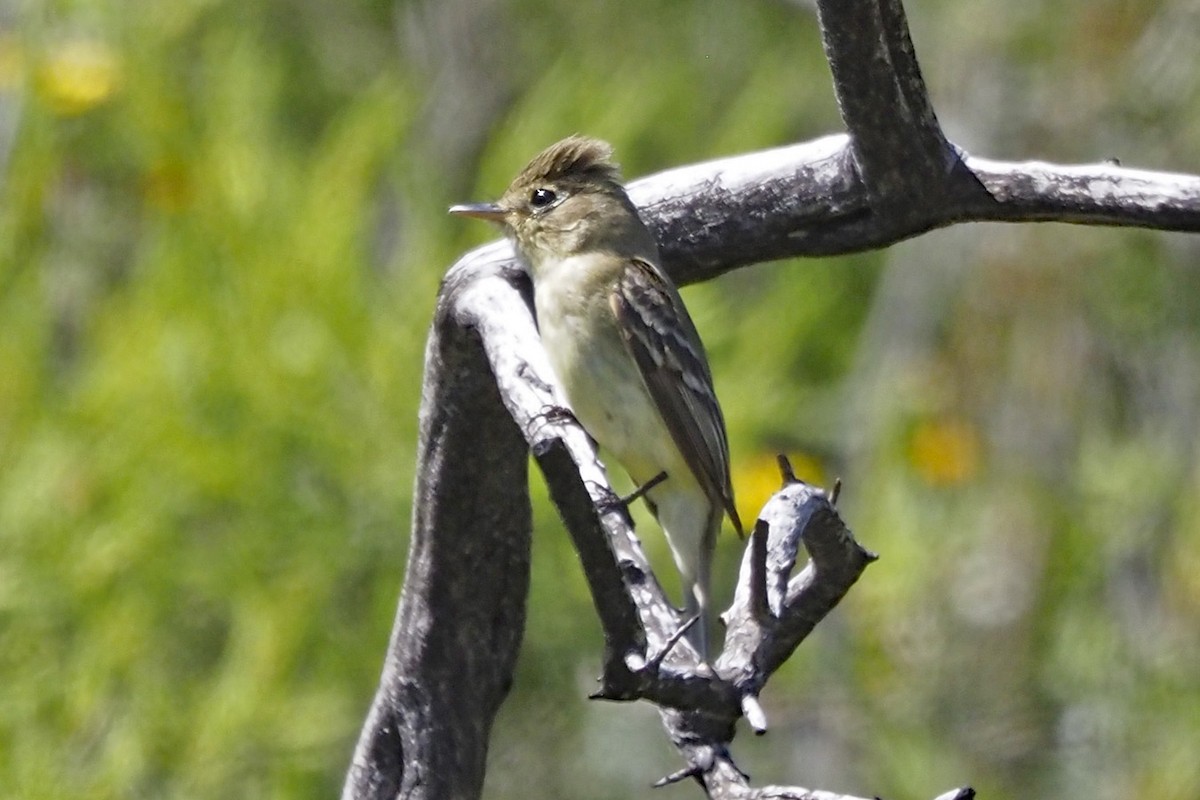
567, 201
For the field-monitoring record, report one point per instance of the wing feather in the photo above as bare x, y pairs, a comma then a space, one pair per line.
664, 344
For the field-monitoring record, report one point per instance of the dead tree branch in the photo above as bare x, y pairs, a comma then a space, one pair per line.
488, 396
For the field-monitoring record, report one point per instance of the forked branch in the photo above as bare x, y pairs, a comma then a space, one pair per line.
892, 176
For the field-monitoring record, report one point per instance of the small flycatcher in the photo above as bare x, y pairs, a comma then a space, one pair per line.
623, 346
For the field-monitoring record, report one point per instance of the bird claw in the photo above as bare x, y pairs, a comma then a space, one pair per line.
609, 501
551, 414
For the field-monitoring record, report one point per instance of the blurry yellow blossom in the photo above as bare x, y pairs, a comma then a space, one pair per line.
78, 75
756, 478
945, 451
12, 63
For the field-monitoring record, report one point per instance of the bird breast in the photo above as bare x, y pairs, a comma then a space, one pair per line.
600, 378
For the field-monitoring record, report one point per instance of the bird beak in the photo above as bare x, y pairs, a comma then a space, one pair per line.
489, 211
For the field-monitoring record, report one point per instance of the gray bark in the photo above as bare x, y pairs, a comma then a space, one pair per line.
489, 399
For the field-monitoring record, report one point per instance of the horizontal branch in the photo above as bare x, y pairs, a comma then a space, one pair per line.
807, 200
1093, 194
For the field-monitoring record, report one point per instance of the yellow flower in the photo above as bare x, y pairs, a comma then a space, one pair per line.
78, 75
945, 452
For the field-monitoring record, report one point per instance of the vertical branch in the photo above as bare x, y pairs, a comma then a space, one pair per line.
885, 106
458, 628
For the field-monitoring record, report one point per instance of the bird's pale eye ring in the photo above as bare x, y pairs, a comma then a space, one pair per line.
542, 198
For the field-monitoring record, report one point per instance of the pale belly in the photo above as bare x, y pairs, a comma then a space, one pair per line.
606, 391
607, 394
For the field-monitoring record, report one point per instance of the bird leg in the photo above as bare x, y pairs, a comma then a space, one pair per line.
645, 487
610, 501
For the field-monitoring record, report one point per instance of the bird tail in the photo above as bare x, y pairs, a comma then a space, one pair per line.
696, 596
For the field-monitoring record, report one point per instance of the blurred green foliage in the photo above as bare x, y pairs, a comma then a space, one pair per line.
221, 233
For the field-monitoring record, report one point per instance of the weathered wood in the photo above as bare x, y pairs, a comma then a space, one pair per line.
489, 397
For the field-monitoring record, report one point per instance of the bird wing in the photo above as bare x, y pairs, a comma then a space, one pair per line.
659, 334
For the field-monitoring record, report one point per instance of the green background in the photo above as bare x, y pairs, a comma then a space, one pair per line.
222, 227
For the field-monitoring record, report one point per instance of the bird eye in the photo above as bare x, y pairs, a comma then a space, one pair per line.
540, 198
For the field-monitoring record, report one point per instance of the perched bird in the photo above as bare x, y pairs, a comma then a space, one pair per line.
623, 346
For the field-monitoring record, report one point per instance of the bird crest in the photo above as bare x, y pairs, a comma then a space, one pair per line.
576, 157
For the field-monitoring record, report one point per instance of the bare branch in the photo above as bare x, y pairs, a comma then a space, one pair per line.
642, 658
755, 647
807, 200
798, 200
458, 627
644, 655
453, 646
1095, 194
700, 707
897, 143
